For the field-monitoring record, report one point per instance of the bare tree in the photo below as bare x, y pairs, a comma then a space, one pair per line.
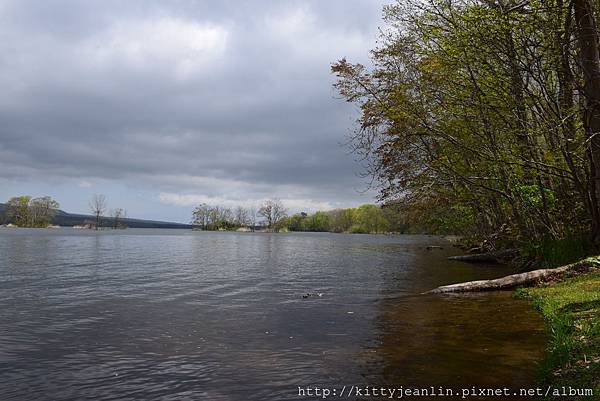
42, 210
201, 216
98, 207
214, 213
252, 217
273, 211
241, 217
226, 217
117, 216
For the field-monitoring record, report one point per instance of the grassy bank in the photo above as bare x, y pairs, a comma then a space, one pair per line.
572, 312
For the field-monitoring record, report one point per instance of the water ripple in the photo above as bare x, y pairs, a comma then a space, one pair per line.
171, 315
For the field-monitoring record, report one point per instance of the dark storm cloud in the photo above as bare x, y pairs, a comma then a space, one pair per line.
193, 98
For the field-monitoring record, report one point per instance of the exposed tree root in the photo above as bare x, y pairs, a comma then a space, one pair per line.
521, 279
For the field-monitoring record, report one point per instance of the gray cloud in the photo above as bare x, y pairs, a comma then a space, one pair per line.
192, 99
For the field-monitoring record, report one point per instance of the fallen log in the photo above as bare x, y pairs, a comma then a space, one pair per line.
521, 279
488, 257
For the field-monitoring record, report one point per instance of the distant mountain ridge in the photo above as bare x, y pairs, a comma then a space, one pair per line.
63, 218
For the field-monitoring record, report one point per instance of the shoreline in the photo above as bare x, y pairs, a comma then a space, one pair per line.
568, 300
571, 311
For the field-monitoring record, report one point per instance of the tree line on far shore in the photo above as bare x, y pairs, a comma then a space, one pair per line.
27, 211
272, 215
365, 219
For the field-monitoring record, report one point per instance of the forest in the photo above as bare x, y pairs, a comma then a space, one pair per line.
482, 118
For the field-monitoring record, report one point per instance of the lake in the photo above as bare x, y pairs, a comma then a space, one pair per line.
175, 314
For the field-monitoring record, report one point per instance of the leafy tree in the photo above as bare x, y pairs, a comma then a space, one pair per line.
296, 222
25, 211
319, 222
340, 220
473, 118
18, 210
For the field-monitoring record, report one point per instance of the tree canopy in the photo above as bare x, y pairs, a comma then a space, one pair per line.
483, 116
25, 211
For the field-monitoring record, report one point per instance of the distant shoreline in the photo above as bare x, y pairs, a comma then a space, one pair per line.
65, 219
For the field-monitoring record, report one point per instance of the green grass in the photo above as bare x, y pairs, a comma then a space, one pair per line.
572, 312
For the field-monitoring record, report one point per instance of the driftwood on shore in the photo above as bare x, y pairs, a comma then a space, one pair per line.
521, 279
488, 257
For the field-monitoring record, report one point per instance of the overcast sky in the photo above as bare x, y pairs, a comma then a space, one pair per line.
161, 105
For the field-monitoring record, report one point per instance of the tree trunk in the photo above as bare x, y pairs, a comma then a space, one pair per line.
589, 54
522, 279
566, 81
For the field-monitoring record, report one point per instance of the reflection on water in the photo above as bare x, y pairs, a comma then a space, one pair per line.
168, 314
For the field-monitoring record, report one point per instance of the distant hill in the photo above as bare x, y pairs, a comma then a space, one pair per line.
63, 218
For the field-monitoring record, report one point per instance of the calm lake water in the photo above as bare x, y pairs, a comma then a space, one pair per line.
175, 314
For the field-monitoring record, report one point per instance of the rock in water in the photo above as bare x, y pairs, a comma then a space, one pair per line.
312, 294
